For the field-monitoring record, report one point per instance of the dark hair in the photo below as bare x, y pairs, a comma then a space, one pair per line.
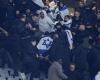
58, 17
68, 16
58, 24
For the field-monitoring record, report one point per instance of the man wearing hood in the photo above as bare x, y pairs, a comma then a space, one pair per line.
45, 23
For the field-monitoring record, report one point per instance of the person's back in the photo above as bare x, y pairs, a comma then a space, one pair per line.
55, 72
52, 71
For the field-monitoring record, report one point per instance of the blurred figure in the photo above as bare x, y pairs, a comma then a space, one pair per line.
89, 15
56, 72
73, 74
63, 9
97, 21
67, 22
94, 56
82, 9
61, 46
80, 34
94, 61
76, 20
45, 23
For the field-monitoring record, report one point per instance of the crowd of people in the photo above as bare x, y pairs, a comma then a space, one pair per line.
42, 36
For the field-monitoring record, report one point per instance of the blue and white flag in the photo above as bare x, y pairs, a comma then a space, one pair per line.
64, 11
70, 38
44, 44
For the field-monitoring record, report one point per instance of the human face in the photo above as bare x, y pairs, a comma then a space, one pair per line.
82, 27
72, 67
17, 12
98, 15
66, 18
34, 18
99, 29
42, 15
61, 4
77, 14
23, 19
81, 4
47, 2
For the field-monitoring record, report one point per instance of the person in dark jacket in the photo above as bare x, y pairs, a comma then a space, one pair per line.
89, 15
80, 34
78, 58
76, 21
97, 21
60, 47
94, 60
16, 33
94, 54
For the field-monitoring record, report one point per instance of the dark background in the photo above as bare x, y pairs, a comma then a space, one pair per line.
74, 3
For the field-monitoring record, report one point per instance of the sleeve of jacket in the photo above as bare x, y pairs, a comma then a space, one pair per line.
60, 72
50, 22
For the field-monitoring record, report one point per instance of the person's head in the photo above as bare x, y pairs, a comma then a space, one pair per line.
66, 18
23, 18
82, 27
34, 43
72, 67
42, 15
18, 13
98, 27
60, 61
47, 2
98, 15
46, 8
35, 17
28, 11
55, 36
59, 18
88, 26
77, 14
81, 4
58, 26
61, 4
